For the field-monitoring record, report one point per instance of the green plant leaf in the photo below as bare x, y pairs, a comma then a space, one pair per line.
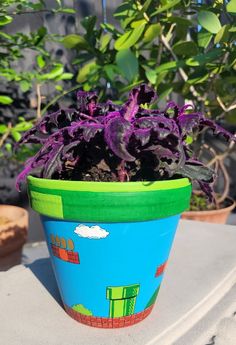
66, 10
151, 75
231, 6
204, 38
3, 129
16, 135
84, 71
23, 126
172, 65
168, 4
137, 23
88, 23
24, 85
189, 140
129, 38
104, 41
222, 35
198, 77
8, 147
40, 61
5, 100
4, 20
202, 59
209, 21
163, 94
124, 10
186, 48
66, 76
152, 32
111, 71
55, 72
72, 41
127, 64
180, 21
59, 88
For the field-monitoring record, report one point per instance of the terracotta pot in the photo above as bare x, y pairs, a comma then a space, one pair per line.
211, 216
13, 235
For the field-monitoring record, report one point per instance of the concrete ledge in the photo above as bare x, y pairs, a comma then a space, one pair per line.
201, 270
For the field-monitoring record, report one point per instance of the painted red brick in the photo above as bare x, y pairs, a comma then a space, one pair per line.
160, 269
65, 255
103, 322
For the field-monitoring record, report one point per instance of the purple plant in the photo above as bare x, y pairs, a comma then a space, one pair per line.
118, 143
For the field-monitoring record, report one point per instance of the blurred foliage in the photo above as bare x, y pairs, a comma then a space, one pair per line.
18, 84
199, 202
182, 47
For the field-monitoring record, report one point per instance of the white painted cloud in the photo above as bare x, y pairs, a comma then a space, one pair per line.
93, 232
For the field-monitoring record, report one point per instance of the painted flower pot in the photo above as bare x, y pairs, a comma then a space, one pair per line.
109, 243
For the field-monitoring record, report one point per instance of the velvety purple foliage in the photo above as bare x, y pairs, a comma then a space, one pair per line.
132, 141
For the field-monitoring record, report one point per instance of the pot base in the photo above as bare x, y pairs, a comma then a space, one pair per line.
106, 322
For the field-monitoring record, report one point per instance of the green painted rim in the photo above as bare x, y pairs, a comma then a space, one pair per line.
109, 201
87, 186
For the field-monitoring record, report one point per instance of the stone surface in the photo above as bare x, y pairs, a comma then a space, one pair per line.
201, 271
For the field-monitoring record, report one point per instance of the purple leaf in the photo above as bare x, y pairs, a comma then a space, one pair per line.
187, 123
117, 134
90, 130
87, 101
217, 129
141, 95
143, 135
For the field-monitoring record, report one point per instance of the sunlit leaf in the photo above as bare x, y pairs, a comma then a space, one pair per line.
4, 20
204, 38
152, 32
222, 35
5, 100
72, 41
231, 6
84, 71
127, 64
129, 38
209, 21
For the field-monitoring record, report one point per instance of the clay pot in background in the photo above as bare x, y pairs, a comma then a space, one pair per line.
212, 216
13, 235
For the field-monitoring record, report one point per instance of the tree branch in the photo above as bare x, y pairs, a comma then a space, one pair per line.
223, 106
5, 135
181, 71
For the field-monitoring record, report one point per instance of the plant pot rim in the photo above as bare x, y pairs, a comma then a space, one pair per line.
21, 210
109, 201
97, 186
208, 212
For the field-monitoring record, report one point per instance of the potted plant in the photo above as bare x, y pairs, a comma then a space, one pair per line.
13, 234
110, 183
218, 210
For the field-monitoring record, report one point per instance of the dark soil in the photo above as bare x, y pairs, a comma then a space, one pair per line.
97, 163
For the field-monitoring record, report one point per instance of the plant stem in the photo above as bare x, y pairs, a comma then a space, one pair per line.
55, 99
39, 100
5, 135
30, 12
